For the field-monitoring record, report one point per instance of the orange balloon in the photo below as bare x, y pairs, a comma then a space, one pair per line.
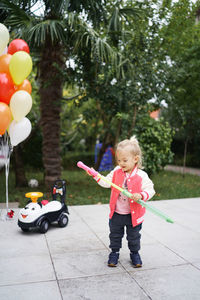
4, 63
5, 117
25, 86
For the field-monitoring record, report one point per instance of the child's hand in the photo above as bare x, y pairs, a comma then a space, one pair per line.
136, 197
95, 177
89, 172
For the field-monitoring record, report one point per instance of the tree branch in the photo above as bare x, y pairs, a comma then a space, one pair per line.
71, 98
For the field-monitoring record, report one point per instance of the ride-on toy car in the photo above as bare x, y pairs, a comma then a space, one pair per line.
40, 214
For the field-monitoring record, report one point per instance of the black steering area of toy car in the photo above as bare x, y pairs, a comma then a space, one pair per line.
40, 214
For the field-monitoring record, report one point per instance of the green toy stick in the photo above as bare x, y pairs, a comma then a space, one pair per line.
149, 207
126, 193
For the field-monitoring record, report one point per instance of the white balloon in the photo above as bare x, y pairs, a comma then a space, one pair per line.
20, 104
5, 51
4, 37
19, 131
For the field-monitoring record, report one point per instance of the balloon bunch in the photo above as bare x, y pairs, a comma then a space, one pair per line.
15, 97
15, 88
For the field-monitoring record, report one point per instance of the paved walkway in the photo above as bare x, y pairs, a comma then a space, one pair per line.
71, 263
179, 169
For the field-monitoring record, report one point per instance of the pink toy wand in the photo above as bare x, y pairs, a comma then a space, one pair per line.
125, 192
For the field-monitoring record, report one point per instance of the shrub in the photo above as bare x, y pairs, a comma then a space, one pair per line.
155, 138
71, 158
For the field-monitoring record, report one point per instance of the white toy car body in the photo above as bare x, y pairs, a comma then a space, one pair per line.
41, 214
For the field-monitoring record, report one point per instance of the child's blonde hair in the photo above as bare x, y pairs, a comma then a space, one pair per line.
133, 145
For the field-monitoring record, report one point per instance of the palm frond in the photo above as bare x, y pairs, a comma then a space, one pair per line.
73, 31
17, 17
53, 29
114, 24
85, 36
116, 20
131, 11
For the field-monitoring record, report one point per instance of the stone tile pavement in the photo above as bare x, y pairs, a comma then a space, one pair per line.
71, 263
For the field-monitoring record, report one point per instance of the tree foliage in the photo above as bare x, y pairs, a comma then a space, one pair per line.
121, 61
56, 31
181, 45
119, 96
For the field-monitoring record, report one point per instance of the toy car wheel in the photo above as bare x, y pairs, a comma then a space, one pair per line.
63, 221
44, 226
24, 229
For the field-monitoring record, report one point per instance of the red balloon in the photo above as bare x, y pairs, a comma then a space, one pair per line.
18, 45
7, 88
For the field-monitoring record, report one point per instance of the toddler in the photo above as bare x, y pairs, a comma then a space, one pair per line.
124, 211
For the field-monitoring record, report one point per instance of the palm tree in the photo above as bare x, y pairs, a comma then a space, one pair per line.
55, 29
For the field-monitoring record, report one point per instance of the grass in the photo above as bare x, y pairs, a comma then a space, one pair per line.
82, 189
171, 185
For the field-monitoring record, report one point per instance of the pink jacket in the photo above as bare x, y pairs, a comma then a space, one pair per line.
138, 182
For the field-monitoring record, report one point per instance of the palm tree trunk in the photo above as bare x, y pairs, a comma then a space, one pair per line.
20, 176
51, 83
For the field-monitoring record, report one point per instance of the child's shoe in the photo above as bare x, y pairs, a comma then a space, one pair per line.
136, 259
113, 259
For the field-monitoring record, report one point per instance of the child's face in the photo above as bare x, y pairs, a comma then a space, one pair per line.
126, 160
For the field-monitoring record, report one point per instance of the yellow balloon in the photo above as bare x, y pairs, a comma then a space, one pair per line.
4, 37
20, 104
20, 66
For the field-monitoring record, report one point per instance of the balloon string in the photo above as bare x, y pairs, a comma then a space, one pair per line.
6, 151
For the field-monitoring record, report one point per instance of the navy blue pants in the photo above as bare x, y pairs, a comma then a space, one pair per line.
117, 225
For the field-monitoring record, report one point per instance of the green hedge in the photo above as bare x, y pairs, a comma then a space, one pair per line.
69, 161
191, 160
